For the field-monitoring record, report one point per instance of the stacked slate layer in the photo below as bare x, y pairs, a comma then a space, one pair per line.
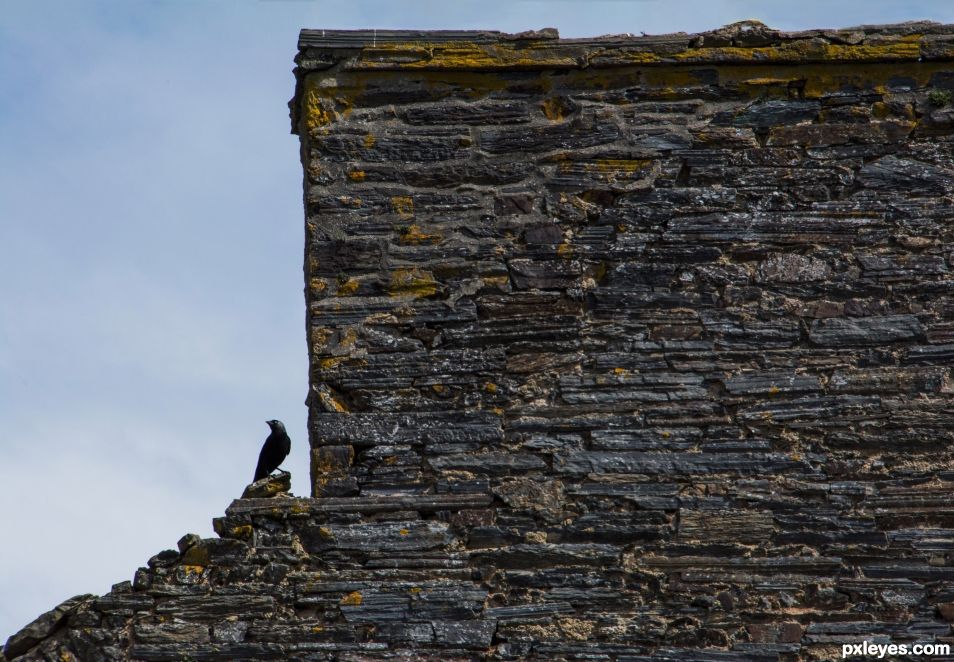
680, 304
623, 349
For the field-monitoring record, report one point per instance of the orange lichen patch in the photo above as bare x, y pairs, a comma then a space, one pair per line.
414, 281
555, 108
356, 175
369, 141
403, 205
629, 166
353, 599
192, 570
774, 390
768, 81
317, 285
327, 98
564, 250
331, 403
415, 236
320, 335
635, 56
620, 371
404, 532
328, 364
438, 388
326, 533
769, 87
317, 113
666, 434
349, 201
490, 387
348, 288
349, 338
244, 531
415, 589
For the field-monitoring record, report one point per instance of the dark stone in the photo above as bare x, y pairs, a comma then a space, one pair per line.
627, 348
43, 626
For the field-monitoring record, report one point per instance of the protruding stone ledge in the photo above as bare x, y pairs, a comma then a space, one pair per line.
745, 42
279, 508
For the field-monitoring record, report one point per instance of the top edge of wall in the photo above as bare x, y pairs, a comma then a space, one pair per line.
745, 42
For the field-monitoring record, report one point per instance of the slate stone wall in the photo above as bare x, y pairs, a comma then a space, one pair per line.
683, 299
624, 349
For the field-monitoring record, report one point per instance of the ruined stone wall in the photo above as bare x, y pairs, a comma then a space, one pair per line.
621, 349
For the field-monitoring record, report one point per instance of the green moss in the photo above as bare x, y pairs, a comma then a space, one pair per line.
939, 97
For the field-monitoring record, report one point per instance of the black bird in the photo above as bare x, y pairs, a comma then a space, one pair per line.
274, 450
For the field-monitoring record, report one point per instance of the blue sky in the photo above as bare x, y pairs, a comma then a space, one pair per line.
151, 308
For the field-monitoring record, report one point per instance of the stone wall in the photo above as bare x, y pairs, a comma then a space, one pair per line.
625, 349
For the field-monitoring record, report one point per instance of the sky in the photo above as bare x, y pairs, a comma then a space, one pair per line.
151, 239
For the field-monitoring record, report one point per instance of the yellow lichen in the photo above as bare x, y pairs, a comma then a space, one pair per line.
197, 555
331, 403
807, 50
628, 166
317, 286
353, 599
369, 141
356, 175
490, 387
348, 287
554, 108
404, 532
316, 113
325, 533
329, 363
415, 236
403, 205
242, 531
413, 281
564, 250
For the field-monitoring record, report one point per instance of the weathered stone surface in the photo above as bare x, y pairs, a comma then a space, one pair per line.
625, 348
42, 627
866, 330
270, 486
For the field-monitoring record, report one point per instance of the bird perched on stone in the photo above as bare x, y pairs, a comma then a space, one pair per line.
274, 450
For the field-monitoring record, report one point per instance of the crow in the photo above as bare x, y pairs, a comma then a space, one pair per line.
274, 450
